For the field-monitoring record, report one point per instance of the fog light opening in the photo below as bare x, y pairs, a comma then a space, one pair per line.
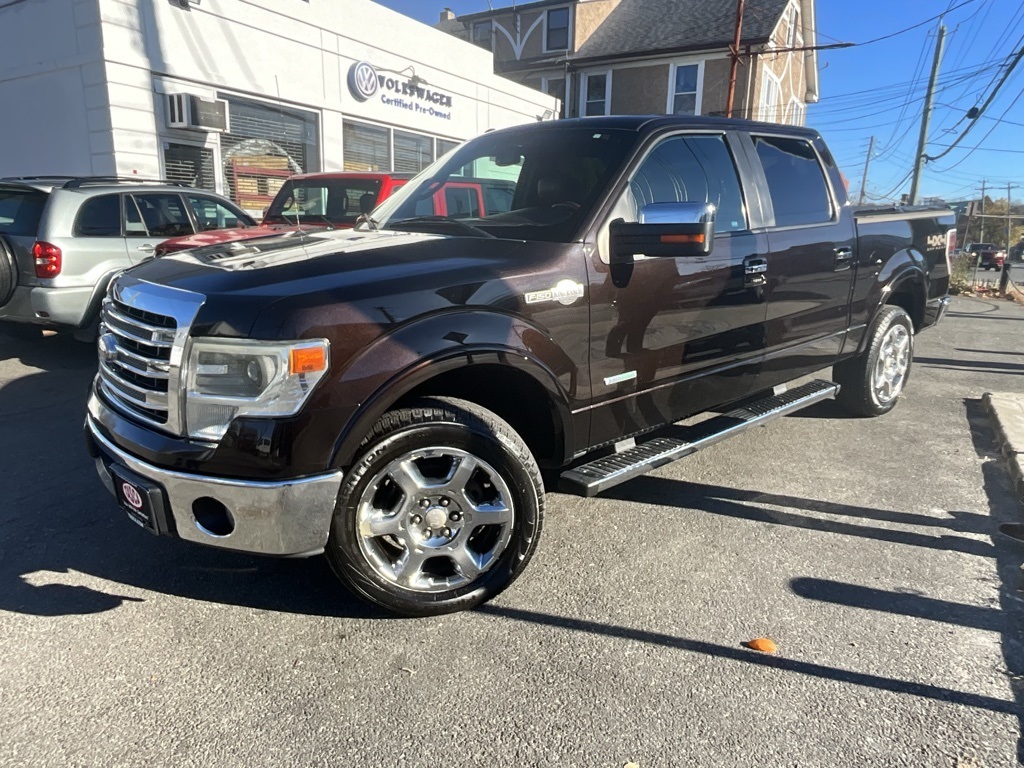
212, 517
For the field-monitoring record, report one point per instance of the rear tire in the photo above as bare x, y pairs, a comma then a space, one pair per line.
441, 511
8, 272
871, 383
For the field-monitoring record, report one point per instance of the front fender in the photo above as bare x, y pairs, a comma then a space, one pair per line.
399, 362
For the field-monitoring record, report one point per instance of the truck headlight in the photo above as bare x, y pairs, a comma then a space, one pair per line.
229, 378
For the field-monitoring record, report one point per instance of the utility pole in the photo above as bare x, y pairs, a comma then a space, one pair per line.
867, 162
926, 116
982, 238
735, 59
1009, 220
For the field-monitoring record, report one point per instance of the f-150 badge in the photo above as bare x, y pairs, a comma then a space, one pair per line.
565, 292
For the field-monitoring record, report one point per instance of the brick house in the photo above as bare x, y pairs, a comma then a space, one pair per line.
654, 56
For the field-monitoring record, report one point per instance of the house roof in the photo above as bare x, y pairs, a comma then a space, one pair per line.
637, 27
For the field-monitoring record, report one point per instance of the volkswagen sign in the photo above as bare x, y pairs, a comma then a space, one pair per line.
362, 80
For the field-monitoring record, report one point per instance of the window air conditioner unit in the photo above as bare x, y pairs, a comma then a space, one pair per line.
192, 113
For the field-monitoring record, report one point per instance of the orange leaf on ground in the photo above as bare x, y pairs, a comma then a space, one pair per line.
763, 644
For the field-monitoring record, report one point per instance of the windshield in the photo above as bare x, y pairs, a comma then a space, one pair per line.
334, 201
529, 184
20, 211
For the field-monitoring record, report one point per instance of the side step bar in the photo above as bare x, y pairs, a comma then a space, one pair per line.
601, 474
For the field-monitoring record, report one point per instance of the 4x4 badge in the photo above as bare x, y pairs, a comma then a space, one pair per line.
565, 292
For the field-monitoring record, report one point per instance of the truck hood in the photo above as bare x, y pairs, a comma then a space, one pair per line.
241, 279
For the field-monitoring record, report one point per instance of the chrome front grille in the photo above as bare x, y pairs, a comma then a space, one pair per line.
143, 330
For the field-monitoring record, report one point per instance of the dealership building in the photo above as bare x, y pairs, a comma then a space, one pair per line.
235, 95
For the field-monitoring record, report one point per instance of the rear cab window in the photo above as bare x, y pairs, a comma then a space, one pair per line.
332, 201
797, 185
20, 211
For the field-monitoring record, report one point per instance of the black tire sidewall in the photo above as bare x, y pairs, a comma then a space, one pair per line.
8, 273
351, 565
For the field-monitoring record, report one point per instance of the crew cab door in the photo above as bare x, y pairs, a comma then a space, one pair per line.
811, 265
671, 337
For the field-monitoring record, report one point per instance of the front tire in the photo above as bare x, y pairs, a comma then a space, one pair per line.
871, 383
441, 511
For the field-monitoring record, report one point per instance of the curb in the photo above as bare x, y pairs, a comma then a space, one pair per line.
1007, 412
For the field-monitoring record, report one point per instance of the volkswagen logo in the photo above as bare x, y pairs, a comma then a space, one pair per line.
107, 346
362, 80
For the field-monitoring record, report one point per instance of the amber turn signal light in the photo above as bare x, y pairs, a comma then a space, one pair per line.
682, 238
307, 360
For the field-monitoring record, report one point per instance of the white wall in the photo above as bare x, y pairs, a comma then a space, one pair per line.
52, 94
91, 106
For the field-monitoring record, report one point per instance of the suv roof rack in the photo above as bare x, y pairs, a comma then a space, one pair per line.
84, 181
45, 177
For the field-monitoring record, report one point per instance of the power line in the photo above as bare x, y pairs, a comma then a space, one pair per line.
974, 119
915, 26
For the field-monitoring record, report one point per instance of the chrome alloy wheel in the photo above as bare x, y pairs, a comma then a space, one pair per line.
893, 362
434, 519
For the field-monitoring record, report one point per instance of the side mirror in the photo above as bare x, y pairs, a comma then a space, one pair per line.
667, 230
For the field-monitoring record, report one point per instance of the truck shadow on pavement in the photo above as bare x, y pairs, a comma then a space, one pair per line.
752, 505
66, 548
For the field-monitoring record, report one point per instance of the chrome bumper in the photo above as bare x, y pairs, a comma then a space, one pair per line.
289, 517
935, 310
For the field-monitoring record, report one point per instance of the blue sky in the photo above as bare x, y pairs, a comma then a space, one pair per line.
878, 90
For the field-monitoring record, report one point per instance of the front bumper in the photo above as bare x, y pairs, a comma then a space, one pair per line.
43, 305
286, 517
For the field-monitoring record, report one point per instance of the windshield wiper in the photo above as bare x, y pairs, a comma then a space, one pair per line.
444, 221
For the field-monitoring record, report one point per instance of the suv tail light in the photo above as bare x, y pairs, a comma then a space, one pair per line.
48, 259
950, 249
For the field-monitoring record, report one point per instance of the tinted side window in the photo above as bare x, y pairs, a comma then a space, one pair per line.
796, 181
20, 211
99, 217
692, 169
164, 215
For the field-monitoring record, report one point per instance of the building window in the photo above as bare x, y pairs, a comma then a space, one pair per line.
554, 86
482, 34
190, 165
444, 146
595, 94
556, 30
266, 145
769, 99
366, 147
413, 153
686, 90
797, 112
794, 35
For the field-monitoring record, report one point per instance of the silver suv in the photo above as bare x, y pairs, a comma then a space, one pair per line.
62, 239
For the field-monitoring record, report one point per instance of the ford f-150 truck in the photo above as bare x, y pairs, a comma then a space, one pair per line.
389, 394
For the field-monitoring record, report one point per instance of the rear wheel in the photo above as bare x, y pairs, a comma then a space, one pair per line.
872, 382
442, 510
8, 272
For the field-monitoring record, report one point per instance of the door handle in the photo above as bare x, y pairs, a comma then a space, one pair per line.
147, 248
844, 259
755, 269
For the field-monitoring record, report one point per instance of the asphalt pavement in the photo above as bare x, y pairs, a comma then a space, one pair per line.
868, 550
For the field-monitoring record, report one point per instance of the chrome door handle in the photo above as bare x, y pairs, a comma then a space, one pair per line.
844, 259
755, 266
755, 270
147, 248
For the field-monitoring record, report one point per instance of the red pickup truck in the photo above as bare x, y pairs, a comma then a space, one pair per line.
336, 200
321, 200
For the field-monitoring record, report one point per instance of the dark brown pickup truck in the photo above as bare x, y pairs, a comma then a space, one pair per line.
389, 394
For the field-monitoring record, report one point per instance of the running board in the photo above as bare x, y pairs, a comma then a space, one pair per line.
601, 474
